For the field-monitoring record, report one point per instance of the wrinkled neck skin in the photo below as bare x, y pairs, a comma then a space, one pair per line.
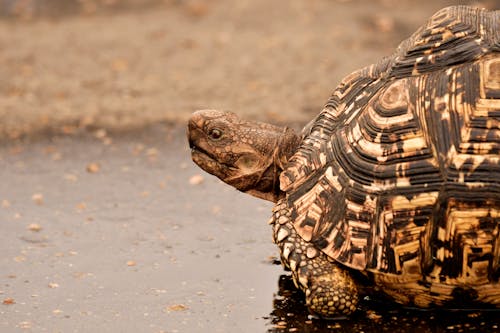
246, 155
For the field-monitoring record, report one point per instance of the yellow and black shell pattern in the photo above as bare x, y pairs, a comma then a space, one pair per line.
400, 172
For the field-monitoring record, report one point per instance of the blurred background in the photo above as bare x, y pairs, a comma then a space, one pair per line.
72, 65
106, 225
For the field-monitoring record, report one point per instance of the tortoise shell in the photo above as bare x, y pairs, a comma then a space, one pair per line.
400, 172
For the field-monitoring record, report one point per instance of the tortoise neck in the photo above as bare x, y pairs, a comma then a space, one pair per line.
265, 183
286, 145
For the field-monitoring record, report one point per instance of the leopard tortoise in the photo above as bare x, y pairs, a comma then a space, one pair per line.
396, 180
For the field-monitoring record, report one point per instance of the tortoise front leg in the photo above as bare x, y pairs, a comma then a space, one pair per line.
330, 290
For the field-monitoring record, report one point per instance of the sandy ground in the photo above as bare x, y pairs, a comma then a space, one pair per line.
107, 226
123, 69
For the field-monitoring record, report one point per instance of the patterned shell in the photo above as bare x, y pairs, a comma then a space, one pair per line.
400, 172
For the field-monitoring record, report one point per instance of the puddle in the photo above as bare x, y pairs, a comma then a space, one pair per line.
291, 315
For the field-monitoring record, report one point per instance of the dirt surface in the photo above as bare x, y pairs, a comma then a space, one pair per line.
123, 64
107, 226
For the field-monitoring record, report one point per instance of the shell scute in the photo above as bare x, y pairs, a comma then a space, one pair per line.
400, 172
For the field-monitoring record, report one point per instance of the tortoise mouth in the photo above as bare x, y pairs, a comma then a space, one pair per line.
194, 135
198, 153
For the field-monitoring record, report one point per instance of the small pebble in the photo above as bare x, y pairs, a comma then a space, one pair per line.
196, 180
93, 167
37, 198
176, 307
34, 227
8, 301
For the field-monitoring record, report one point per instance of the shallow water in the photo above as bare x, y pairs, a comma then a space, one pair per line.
290, 315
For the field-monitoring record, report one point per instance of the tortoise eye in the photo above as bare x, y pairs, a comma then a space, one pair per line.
215, 134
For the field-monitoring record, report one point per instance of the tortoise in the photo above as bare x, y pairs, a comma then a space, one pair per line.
396, 182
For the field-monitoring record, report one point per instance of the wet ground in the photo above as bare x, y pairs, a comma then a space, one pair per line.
124, 234
107, 225
101, 236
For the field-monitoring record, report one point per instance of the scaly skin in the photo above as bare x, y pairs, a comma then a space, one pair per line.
247, 155
330, 290
397, 176
250, 156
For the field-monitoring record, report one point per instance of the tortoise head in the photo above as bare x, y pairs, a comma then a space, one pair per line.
247, 155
